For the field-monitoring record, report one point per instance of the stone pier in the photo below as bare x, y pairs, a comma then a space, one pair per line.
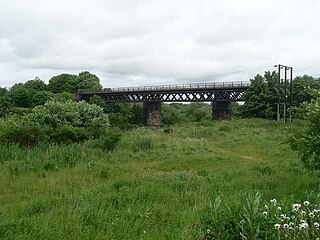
152, 114
221, 110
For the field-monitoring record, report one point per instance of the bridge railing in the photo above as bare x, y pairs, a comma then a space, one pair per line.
215, 85
193, 86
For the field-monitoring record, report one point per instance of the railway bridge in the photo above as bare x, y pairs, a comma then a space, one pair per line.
221, 94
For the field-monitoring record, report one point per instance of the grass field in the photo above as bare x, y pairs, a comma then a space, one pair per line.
154, 185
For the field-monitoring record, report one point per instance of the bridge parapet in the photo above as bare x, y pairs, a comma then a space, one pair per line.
173, 87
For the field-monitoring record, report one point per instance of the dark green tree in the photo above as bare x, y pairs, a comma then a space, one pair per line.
6, 105
87, 80
198, 111
3, 91
40, 98
261, 97
301, 89
98, 101
136, 116
63, 83
21, 95
36, 84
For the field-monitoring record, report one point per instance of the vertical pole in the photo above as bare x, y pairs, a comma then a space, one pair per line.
285, 96
278, 95
291, 93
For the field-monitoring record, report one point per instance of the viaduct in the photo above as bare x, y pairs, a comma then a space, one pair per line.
221, 94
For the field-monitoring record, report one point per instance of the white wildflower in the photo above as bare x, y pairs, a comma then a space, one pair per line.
277, 226
303, 226
311, 214
274, 202
296, 206
306, 203
265, 214
279, 208
316, 224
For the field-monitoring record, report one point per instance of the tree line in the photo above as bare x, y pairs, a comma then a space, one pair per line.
34, 112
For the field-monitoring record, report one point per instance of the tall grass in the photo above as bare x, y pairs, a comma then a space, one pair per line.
153, 185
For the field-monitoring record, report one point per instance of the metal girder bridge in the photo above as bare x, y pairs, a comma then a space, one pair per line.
200, 92
221, 94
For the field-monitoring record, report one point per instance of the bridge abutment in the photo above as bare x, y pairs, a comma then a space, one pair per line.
221, 110
152, 114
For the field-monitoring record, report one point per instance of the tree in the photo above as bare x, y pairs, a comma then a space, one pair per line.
198, 111
72, 83
307, 142
36, 84
41, 97
87, 80
21, 95
5, 105
301, 89
261, 97
170, 114
3, 91
63, 83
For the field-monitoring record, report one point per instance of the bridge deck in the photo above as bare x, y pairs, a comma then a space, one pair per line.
197, 92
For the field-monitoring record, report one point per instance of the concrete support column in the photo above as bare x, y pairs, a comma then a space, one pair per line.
221, 110
152, 114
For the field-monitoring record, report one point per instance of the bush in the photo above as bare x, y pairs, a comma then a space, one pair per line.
26, 134
68, 134
75, 114
307, 142
108, 141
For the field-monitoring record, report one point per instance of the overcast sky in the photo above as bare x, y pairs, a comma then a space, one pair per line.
144, 42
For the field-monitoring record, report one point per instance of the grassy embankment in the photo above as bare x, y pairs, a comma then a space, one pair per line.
152, 186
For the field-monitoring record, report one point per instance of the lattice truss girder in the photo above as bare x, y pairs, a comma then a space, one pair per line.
175, 96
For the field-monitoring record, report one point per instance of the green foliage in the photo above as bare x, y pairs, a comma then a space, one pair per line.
3, 91
307, 142
5, 106
87, 80
198, 111
75, 114
63, 83
40, 98
22, 133
214, 219
261, 97
301, 89
164, 192
108, 141
36, 84
68, 134
170, 114
21, 95
97, 100
56, 122
64, 97
124, 115
142, 144
72, 83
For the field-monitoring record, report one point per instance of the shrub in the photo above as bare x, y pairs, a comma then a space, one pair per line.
75, 114
68, 134
26, 134
108, 141
307, 142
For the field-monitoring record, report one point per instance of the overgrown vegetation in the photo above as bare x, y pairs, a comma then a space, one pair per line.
154, 185
76, 170
307, 141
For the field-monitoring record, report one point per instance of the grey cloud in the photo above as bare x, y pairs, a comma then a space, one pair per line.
149, 42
